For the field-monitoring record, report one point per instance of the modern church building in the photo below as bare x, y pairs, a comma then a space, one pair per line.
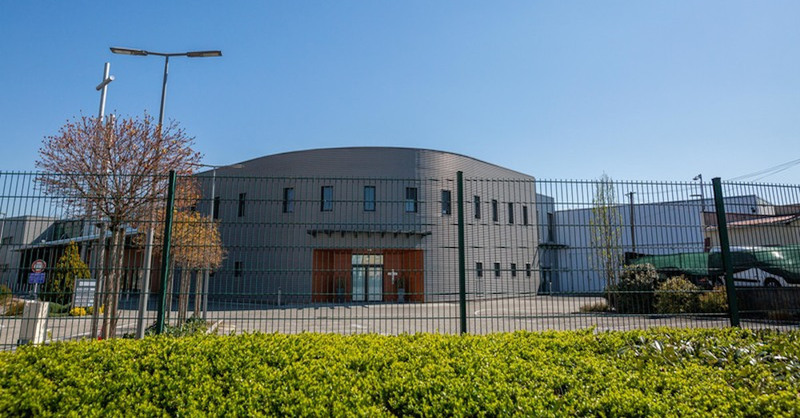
370, 224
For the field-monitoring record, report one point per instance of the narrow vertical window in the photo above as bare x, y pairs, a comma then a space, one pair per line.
288, 200
551, 220
495, 216
528, 269
479, 269
510, 213
237, 269
326, 203
477, 204
369, 198
216, 207
447, 207
242, 197
411, 199
513, 269
524, 215
496, 269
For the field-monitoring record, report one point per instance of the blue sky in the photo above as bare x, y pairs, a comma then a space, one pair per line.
559, 90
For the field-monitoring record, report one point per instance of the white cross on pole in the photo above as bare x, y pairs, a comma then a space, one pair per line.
393, 274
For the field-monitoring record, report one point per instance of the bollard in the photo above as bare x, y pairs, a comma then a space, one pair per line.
34, 318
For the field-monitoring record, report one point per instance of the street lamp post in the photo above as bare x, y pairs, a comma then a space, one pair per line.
699, 178
148, 255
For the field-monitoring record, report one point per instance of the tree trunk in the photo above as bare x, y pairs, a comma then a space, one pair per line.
118, 267
168, 295
183, 296
112, 281
199, 296
99, 255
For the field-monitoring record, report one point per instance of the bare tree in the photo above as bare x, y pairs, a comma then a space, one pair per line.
195, 244
605, 225
117, 167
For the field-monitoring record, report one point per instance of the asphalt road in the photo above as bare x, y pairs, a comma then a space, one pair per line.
532, 313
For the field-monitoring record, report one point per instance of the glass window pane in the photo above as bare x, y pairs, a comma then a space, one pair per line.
369, 198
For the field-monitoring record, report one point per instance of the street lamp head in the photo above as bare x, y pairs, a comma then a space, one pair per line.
204, 54
128, 51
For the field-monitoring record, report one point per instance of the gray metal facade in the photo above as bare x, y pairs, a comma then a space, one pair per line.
270, 249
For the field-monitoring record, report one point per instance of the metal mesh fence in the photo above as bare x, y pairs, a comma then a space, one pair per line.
390, 256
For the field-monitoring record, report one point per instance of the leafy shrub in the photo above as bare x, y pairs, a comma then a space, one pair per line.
667, 372
781, 315
5, 293
601, 306
90, 310
192, 326
677, 295
13, 307
61, 282
55, 309
79, 311
633, 292
715, 301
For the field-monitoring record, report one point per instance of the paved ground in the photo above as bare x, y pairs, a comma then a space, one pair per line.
534, 313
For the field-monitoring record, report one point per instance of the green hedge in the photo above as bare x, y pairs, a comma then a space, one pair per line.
665, 372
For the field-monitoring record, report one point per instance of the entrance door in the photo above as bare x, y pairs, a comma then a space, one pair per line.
367, 278
375, 283
359, 283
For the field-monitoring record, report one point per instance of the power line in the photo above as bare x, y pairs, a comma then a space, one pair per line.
768, 171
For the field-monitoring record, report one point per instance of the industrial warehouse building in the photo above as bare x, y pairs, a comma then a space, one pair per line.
370, 224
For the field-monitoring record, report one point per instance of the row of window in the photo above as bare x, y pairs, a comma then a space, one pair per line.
411, 203
238, 268
498, 271
476, 201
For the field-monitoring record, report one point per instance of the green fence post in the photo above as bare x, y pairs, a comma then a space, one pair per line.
462, 268
165, 252
722, 230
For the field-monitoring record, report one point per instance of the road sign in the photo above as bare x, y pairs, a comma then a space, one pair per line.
84, 293
38, 266
35, 278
